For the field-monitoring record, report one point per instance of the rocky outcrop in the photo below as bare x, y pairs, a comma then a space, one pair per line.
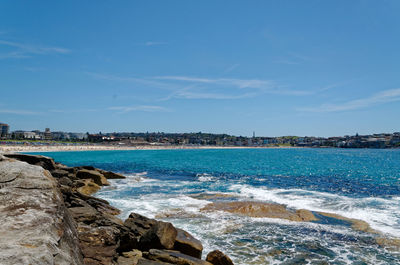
261, 209
187, 244
54, 220
173, 257
36, 227
217, 257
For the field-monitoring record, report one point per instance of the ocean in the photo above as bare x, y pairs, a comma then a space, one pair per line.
173, 185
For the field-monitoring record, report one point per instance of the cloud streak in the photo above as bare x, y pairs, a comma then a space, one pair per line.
145, 108
382, 97
27, 50
19, 112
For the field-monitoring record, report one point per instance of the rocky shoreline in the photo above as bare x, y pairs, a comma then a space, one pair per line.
49, 217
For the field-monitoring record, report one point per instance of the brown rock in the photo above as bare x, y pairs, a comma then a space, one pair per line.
88, 187
173, 257
96, 176
98, 244
217, 257
111, 175
143, 261
261, 209
85, 215
59, 173
130, 258
187, 244
161, 235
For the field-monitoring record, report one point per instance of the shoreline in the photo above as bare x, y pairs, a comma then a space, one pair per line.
63, 148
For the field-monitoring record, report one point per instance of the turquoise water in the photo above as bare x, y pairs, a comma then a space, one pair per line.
175, 184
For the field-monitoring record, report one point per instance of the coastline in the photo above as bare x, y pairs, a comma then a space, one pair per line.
66, 148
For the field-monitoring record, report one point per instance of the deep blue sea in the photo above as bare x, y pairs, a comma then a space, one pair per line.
173, 185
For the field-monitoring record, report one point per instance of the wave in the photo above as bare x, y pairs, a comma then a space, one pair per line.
383, 214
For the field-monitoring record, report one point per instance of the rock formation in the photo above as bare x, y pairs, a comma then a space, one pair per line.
49, 217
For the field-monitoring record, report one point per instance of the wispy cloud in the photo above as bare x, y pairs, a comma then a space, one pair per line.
226, 88
142, 81
231, 68
155, 43
19, 112
22, 50
382, 97
145, 108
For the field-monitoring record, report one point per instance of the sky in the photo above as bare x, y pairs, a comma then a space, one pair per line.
306, 68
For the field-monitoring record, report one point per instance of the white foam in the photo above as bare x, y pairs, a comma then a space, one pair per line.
382, 214
204, 177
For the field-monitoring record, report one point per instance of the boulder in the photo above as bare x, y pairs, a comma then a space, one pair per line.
43, 161
173, 257
149, 233
217, 257
36, 227
187, 244
162, 235
94, 175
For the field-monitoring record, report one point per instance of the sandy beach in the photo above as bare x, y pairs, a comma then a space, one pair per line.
60, 148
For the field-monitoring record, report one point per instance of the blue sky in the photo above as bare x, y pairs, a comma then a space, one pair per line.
315, 68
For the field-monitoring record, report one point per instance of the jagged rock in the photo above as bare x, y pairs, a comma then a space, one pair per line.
96, 176
261, 209
187, 244
173, 257
43, 161
217, 257
36, 227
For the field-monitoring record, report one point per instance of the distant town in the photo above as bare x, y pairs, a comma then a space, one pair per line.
380, 140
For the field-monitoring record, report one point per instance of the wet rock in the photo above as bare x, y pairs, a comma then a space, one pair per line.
356, 224
261, 209
94, 175
173, 257
187, 244
43, 161
36, 227
217, 257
